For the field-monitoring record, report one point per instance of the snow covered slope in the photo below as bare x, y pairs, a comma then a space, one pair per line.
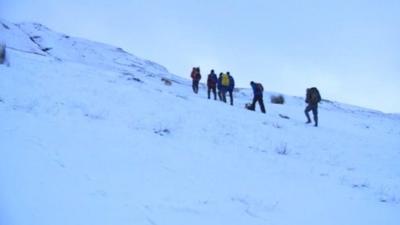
91, 134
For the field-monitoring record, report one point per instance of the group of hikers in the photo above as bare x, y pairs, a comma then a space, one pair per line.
225, 83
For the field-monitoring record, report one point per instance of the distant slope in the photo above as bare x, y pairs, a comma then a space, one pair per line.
91, 134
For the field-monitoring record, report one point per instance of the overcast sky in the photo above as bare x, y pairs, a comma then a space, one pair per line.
349, 49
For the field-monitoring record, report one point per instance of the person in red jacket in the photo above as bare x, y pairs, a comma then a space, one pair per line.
196, 77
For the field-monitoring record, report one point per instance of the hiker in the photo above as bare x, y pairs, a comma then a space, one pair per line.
224, 80
258, 90
231, 86
196, 77
212, 84
219, 86
312, 99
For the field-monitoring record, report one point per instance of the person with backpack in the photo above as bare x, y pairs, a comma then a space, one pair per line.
312, 99
258, 90
212, 84
196, 77
219, 86
231, 86
224, 79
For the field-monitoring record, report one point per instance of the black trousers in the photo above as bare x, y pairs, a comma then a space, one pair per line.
314, 109
213, 90
231, 96
195, 86
223, 95
260, 101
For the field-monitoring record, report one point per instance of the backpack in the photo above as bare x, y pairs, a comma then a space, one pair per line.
225, 80
313, 96
259, 87
198, 76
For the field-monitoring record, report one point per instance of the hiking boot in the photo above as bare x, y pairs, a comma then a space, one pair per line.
309, 121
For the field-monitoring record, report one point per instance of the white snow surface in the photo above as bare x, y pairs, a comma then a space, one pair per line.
90, 134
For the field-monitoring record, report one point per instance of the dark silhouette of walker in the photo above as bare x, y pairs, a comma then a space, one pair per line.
258, 90
312, 99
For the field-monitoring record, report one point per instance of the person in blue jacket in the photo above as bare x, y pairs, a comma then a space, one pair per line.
258, 90
219, 87
231, 86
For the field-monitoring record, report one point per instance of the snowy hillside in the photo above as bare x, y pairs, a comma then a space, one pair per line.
91, 134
